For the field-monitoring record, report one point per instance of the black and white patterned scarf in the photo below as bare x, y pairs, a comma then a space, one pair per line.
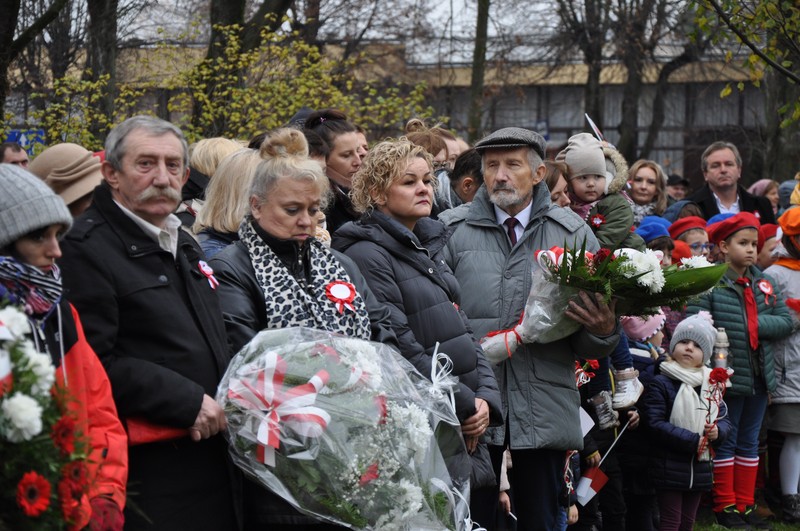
38, 291
289, 304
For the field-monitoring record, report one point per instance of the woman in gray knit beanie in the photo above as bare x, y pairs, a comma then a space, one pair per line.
32, 220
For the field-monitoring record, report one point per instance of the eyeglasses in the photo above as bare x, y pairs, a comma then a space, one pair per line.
703, 246
441, 165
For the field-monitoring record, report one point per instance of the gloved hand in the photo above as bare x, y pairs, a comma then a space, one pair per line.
106, 515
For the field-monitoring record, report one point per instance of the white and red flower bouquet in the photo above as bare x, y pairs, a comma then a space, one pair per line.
635, 278
43, 471
347, 431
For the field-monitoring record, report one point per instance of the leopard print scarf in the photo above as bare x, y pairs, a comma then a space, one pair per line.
290, 304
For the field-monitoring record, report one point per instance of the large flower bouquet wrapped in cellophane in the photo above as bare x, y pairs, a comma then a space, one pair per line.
634, 278
347, 431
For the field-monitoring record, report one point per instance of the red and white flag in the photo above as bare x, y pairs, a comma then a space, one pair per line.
590, 484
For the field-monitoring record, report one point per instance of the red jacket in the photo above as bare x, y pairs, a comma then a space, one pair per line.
93, 407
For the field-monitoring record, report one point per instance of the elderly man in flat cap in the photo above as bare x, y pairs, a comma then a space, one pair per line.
491, 252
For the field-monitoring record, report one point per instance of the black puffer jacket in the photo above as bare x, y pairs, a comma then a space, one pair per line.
422, 295
673, 460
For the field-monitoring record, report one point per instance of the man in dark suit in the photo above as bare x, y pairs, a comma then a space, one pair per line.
722, 168
150, 311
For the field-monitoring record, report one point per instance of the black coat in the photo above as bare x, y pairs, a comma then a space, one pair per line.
673, 461
156, 325
422, 295
760, 206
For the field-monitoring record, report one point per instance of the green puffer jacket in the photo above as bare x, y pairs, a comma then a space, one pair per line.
540, 400
611, 219
727, 307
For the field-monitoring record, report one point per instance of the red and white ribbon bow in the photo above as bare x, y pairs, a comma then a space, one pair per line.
342, 294
282, 408
209, 274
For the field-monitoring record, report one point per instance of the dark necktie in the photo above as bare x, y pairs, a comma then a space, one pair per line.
511, 224
751, 310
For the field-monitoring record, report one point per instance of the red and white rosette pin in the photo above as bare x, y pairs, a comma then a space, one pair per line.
597, 220
767, 289
209, 274
342, 294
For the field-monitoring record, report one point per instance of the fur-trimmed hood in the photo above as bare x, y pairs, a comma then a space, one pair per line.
616, 168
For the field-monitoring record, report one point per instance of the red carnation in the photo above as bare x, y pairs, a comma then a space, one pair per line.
370, 474
593, 364
63, 434
718, 375
33, 494
601, 256
380, 401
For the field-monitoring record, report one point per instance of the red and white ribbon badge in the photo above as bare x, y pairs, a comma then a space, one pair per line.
209, 274
767, 289
342, 294
597, 220
290, 408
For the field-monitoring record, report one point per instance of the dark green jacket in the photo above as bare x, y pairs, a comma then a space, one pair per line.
726, 304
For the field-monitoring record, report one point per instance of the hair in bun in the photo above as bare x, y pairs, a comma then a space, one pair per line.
285, 156
286, 142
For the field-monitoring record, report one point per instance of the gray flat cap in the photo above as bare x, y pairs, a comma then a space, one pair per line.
513, 137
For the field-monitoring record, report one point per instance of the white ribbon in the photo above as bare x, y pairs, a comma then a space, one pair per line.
452, 493
441, 376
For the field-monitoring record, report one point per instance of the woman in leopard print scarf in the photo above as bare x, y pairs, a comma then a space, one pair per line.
278, 275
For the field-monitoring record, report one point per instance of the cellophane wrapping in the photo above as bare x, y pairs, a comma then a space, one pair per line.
346, 430
544, 320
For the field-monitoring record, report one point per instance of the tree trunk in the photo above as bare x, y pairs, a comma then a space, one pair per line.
10, 47
475, 119
102, 48
691, 53
782, 157
630, 107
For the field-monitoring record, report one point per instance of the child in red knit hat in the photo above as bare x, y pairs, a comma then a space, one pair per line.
748, 305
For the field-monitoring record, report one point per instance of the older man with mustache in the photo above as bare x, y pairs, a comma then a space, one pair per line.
151, 312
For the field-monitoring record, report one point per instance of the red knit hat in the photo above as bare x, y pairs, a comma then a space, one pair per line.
767, 231
722, 230
688, 223
681, 250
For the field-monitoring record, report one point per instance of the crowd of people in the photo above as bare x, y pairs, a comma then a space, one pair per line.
146, 267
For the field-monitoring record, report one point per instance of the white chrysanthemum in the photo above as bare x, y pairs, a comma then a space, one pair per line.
24, 417
407, 503
644, 262
15, 321
694, 262
412, 422
42, 367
